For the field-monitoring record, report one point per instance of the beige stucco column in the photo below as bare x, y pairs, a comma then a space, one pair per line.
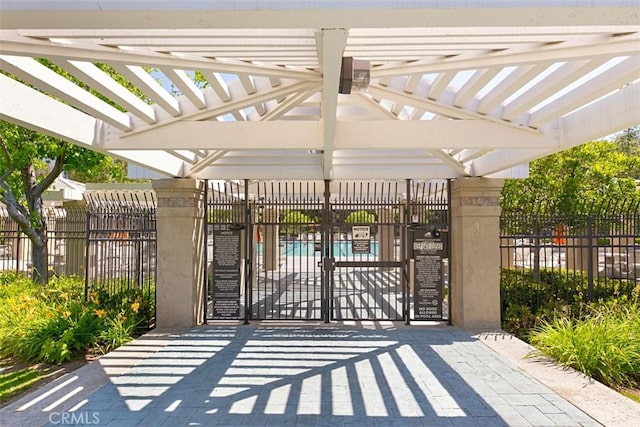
475, 253
180, 262
75, 248
386, 229
271, 240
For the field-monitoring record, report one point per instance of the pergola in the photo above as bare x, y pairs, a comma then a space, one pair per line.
455, 88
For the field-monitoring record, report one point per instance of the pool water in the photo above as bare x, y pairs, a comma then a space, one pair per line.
340, 249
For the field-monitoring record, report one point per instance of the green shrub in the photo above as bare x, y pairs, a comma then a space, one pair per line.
54, 324
604, 345
119, 330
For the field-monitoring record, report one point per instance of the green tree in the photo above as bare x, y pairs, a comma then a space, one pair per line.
628, 141
30, 162
360, 217
295, 222
590, 175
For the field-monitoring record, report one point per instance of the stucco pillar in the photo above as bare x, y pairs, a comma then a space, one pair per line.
180, 262
271, 240
75, 248
386, 235
475, 253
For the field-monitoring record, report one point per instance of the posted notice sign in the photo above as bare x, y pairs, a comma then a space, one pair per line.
226, 272
428, 289
361, 235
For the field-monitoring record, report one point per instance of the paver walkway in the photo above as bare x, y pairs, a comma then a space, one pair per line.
384, 374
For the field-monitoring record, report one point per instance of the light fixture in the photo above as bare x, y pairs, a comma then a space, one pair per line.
354, 75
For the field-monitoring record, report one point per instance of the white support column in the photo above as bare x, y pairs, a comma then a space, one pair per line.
180, 261
475, 253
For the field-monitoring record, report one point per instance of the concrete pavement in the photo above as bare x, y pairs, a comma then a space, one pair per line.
315, 374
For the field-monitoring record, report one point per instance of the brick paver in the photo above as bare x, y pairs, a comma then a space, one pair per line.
383, 374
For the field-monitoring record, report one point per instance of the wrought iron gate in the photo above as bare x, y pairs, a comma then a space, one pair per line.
366, 259
315, 250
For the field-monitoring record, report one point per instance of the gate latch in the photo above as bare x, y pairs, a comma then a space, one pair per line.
328, 264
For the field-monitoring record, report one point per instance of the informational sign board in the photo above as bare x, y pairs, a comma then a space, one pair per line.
226, 278
428, 279
361, 235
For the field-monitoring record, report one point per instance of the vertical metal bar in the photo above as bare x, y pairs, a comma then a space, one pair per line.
327, 251
87, 254
449, 252
590, 265
248, 273
405, 257
207, 214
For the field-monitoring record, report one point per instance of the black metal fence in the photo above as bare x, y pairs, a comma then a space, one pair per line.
320, 250
121, 242
563, 258
109, 241
66, 235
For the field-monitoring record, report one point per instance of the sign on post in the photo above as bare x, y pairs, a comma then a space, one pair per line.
428, 279
226, 278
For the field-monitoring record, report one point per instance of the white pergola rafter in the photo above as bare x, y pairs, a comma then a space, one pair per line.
457, 89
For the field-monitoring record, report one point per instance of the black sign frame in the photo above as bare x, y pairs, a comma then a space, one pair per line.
226, 277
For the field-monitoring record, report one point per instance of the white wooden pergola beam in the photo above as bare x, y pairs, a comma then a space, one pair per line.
550, 85
158, 161
287, 105
437, 107
391, 171
106, 85
463, 34
231, 107
450, 161
516, 79
372, 107
135, 33
468, 155
537, 32
223, 135
30, 108
186, 86
440, 84
307, 135
279, 172
207, 161
218, 85
185, 155
27, 107
15, 45
594, 47
626, 71
330, 52
117, 14
151, 88
429, 134
32, 71
479, 79
620, 110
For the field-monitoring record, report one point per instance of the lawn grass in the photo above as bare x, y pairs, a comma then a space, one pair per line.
18, 381
633, 395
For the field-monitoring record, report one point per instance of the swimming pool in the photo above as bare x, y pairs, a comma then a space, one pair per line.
308, 248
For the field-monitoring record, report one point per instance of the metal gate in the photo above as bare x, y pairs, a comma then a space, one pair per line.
366, 244
317, 250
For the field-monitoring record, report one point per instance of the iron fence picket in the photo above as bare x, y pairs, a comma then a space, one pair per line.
550, 257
